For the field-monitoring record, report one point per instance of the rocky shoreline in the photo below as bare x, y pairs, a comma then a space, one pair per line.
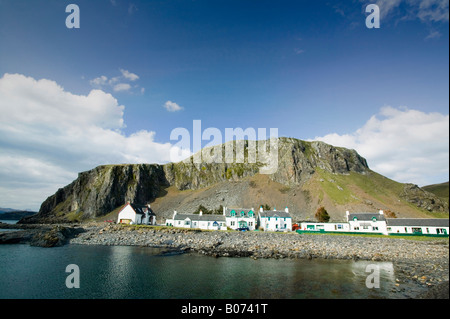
422, 263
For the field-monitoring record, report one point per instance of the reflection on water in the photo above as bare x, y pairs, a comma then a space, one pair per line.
136, 272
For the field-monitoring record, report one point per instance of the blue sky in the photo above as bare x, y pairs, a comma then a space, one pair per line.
312, 69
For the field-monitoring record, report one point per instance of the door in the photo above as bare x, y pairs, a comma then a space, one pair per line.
242, 224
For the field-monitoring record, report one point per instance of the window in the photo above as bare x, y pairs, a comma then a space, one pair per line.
233, 213
355, 218
232, 223
242, 213
250, 223
250, 213
374, 219
374, 228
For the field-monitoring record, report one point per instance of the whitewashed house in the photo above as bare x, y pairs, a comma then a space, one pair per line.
136, 214
324, 227
273, 220
201, 221
240, 218
418, 226
367, 222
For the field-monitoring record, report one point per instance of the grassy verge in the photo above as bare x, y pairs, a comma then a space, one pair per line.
416, 237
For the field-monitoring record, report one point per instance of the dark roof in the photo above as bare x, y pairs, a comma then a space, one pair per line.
430, 222
366, 216
275, 213
142, 209
197, 217
239, 211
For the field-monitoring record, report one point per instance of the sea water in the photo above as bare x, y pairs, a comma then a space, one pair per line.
124, 272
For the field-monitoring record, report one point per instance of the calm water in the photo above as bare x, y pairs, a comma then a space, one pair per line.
136, 272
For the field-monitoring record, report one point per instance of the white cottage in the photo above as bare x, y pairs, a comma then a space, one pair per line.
324, 227
273, 220
240, 218
367, 222
418, 226
136, 214
201, 221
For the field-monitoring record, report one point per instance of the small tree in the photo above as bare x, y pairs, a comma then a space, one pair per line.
390, 214
322, 215
203, 209
219, 210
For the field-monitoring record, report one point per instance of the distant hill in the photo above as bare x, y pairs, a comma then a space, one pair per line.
7, 210
309, 175
440, 190
11, 214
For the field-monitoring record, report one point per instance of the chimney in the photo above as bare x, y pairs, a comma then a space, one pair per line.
148, 206
261, 209
381, 212
274, 209
201, 213
174, 214
224, 211
286, 209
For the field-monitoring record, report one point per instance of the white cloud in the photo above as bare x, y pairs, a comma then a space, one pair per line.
172, 107
433, 35
116, 83
425, 10
122, 87
48, 135
402, 144
129, 76
101, 80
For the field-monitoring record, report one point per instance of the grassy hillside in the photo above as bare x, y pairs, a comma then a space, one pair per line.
360, 192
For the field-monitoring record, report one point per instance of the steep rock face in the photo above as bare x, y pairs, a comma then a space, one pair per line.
298, 160
99, 191
423, 199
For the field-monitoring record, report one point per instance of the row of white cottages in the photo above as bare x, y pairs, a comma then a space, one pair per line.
273, 220
232, 218
235, 218
377, 223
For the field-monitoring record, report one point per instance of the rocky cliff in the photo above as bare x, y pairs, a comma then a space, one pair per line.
302, 180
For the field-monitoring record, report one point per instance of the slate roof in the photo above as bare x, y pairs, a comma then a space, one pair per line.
142, 209
197, 217
424, 222
238, 212
366, 216
274, 213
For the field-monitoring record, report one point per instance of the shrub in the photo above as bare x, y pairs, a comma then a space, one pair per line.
322, 215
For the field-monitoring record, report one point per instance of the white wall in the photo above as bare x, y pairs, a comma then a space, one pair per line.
275, 223
344, 227
426, 230
233, 222
128, 213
